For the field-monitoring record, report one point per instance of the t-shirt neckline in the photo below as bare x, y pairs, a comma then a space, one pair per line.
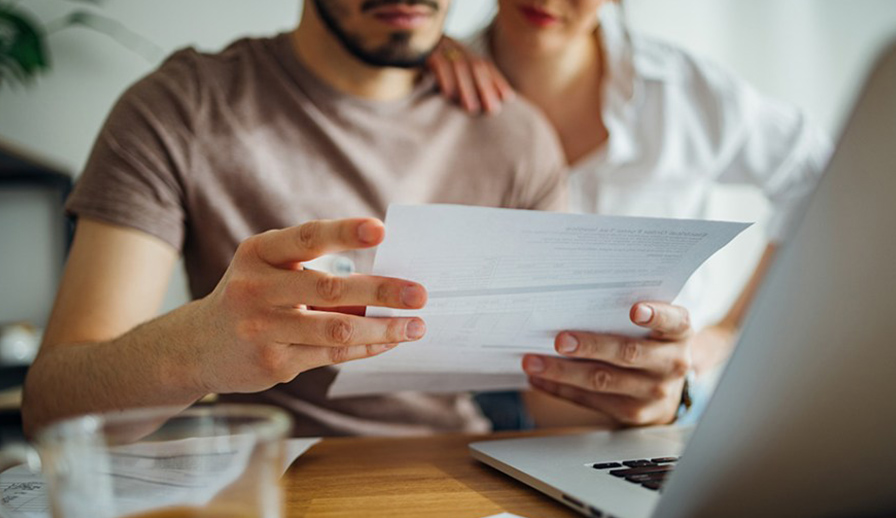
325, 93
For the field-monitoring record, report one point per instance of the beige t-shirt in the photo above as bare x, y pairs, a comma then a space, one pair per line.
213, 148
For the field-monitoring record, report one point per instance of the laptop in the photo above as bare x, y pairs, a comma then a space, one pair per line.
803, 422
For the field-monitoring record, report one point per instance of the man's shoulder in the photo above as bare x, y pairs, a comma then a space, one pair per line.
190, 83
517, 144
520, 127
190, 70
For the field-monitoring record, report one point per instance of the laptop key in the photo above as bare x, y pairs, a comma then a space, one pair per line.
637, 463
646, 477
606, 465
661, 468
664, 460
652, 485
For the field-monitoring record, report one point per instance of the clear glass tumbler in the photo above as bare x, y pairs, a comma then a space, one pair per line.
217, 461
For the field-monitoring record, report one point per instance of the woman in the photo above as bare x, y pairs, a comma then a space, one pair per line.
647, 130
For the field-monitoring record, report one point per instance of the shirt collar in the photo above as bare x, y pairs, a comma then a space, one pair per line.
626, 66
624, 89
617, 51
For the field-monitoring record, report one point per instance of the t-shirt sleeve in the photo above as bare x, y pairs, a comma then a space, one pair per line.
771, 145
135, 174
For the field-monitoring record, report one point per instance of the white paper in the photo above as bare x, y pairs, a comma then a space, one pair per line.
503, 282
23, 493
295, 448
152, 475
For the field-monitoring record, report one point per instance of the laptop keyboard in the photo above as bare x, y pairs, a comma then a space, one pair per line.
648, 473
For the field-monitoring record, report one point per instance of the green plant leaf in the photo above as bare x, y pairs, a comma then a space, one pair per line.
11, 72
22, 42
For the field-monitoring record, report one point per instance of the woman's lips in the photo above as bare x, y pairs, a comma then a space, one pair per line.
538, 17
403, 17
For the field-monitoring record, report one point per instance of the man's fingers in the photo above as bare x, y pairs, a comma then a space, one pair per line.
625, 410
599, 377
310, 357
668, 322
339, 330
348, 310
664, 359
313, 288
315, 238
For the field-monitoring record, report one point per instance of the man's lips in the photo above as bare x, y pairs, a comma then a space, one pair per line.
402, 16
537, 16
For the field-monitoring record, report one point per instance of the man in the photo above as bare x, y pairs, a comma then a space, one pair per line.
208, 154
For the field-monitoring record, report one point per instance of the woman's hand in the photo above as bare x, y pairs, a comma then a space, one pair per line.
632, 381
470, 79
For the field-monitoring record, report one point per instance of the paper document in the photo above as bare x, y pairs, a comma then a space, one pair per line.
503, 282
152, 475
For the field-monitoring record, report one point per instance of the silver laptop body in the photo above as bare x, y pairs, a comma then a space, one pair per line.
803, 422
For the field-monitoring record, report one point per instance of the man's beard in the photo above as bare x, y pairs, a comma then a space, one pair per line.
397, 52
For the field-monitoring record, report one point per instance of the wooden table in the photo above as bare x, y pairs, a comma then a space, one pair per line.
426, 476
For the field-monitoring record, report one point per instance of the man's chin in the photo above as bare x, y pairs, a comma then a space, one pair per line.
401, 61
395, 54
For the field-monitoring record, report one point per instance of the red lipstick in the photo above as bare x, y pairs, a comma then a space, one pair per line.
538, 16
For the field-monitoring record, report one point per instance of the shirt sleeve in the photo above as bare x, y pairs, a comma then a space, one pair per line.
135, 174
768, 144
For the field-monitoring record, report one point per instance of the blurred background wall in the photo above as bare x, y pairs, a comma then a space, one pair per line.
813, 53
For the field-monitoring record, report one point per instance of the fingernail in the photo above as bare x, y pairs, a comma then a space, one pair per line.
534, 364
368, 232
416, 329
567, 343
413, 296
643, 314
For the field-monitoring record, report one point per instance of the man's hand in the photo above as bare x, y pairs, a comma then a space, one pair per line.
261, 328
632, 381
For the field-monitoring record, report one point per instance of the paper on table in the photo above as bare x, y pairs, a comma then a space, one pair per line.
502, 282
157, 473
294, 449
